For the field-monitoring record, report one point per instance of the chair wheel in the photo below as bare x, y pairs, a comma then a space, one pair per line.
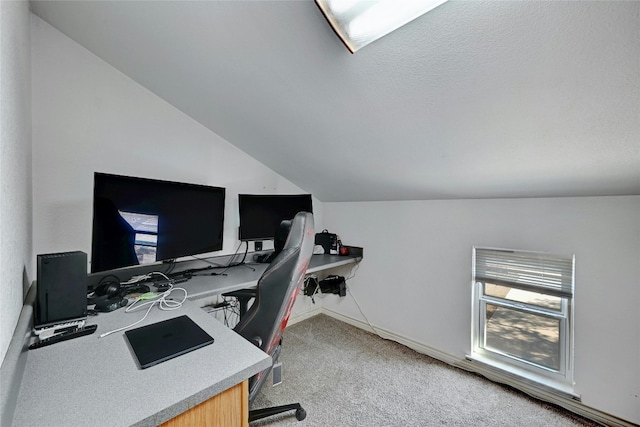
301, 414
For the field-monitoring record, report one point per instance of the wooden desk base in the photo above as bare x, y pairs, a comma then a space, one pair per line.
229, 408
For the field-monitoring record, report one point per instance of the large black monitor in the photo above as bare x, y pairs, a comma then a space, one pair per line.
140, 221
260, 215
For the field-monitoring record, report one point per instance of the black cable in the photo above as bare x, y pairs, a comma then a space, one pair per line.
246, 250
171, 267
242, 262
208, 262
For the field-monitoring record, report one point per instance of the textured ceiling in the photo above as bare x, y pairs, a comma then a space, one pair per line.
472, 100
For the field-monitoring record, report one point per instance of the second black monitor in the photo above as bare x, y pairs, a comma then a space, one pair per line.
260, 215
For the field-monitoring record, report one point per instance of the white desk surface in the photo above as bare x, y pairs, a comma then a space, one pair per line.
96, 381
246, 276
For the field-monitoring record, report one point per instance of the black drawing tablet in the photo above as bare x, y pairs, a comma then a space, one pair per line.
159, 342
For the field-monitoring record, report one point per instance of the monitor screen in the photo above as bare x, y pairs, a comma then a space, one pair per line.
260, 215
141, 221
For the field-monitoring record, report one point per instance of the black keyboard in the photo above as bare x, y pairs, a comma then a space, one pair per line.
68, 335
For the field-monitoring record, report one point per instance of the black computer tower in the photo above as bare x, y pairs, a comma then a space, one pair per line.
61, 289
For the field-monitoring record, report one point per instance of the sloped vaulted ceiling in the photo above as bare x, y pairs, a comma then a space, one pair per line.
472, 100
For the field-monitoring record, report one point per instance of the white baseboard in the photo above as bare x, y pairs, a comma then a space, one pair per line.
388, 335
541, 393
299, 317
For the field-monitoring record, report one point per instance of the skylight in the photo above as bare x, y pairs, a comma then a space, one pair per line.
360, 22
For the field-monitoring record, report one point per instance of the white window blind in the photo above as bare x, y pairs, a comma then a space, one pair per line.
531, 271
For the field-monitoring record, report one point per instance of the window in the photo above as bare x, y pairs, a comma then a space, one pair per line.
146, 237
522, 311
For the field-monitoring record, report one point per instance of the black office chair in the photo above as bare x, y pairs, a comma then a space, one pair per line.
264, 322
244, 296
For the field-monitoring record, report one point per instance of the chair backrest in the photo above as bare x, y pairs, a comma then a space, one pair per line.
265, 321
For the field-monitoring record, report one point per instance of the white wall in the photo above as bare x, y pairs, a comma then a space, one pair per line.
415, 279
87, 117
15, 165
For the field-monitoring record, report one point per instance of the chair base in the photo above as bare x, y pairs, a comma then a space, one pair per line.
258, 414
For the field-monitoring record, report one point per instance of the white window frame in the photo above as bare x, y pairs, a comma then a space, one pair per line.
558, 287
142, 229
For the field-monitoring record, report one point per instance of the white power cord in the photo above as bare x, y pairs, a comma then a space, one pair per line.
163, 301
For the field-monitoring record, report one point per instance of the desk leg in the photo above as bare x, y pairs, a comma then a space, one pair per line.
227, 409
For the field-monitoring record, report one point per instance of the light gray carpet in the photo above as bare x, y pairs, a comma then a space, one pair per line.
344, 376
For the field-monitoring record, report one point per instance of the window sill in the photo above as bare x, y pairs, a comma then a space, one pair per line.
518, 377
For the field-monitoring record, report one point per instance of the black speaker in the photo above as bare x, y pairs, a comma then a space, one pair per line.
61, 290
